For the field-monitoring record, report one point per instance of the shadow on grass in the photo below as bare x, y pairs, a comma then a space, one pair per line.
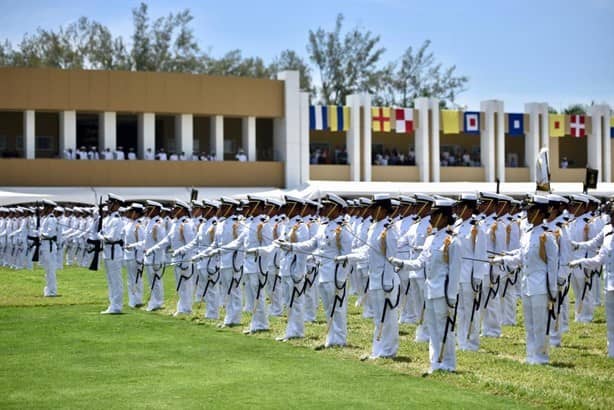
563, 365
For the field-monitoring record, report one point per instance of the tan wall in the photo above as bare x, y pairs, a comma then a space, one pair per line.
50, 172
395, 173
123, 91
462, 174
563, 175
329, 172
517, 175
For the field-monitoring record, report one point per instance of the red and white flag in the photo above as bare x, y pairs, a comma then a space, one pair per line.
577, 126
404, 120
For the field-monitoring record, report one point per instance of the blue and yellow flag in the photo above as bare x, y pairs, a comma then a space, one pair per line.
339, 117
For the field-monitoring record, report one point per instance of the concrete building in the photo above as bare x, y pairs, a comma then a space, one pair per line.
45, 112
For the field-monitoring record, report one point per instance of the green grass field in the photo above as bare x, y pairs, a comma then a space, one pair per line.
61, 353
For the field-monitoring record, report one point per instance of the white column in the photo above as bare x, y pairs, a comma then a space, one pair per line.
434, 132
593, 141
500, 141
487, 139
545, 128
248, 137
531, 143
107, 131
607, 144
353, 136
184, 134
147, 133
304, 136
29, 134
421, 139
216, 137
287, 130
365, 101
68, 131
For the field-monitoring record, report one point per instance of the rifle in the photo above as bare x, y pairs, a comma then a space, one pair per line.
37, 239
97, 242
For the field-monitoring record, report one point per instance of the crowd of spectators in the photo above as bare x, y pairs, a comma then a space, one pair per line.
322, 156
120, 154
459, 158
394, 157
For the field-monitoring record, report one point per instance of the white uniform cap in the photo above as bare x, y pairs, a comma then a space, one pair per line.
539, 199
505, 198
579, 198
424, 198
468, 196
337, 200
181, 204
48, 202
226, 200
275, 202
491, 196
557, 198
115, 197
58, 209
153, 204
211, 203
137, 206
404, 199
293, 198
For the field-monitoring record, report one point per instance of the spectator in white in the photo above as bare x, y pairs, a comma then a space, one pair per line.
82, 153
173, 157
161, 156
564, 163
107, 154
149, 155
90, 153
68, 154
241, 157
203, 156
119, 154
96, 154
131, 154
182, 156
466, 159
212, 157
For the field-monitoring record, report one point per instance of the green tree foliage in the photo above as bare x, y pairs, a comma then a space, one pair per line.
346, 61
575, 109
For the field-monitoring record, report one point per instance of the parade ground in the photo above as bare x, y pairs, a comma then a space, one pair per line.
61, 353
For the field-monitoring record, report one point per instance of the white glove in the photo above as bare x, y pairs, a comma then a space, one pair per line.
574, 263
575, 245
285, 245
497, 260
148, 252
396, 262
252, 251
341, 259
213, 252
178, 252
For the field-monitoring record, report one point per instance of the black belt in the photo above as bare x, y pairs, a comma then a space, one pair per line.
113, 244
51, 239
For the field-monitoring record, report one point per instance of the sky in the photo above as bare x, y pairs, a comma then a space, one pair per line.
520, 51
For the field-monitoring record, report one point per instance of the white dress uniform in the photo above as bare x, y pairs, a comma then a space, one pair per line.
155, 262
48, 251
208, 268
333, 240
407, 308
441, 261
180, 234
538, 256
112, 237
362, 267
256, 232
274, 288
384, 286
134, 232
231, 265
313, 263
493, 286
605, 257
417, 236
584, 305
509, 279
471, 244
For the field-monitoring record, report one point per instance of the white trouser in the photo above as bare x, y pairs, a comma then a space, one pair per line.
363, 292
437, 313
254, 290
491, 308
184, 279
208, 289
336, 319
468, 331
408, 308
232, 293
275, 292
609, 312
294, 301
135, 284
584, 307
59, 258
248, 297
535, 320
509, 301
113, 267
416, 291
156, 298
596, 290
311, 298
47, 260
386, 333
